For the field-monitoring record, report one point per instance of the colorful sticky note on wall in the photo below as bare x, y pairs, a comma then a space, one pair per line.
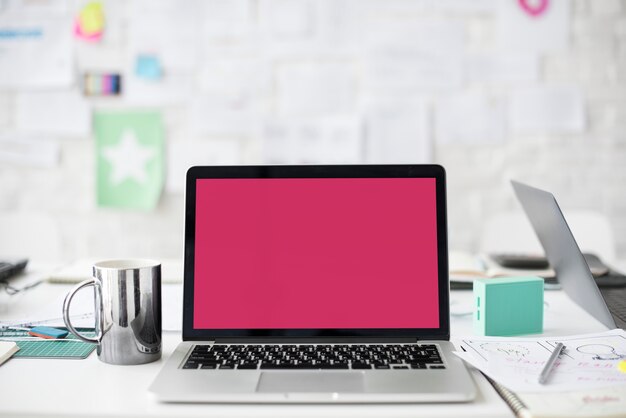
102, 84
534, 8
148, 67
129, 159
89, 24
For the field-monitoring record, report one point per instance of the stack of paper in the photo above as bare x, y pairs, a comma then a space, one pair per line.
589, 361
588, 379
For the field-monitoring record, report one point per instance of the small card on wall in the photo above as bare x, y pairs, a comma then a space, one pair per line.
129, 159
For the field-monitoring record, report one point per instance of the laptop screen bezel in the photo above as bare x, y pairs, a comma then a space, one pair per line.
316, 171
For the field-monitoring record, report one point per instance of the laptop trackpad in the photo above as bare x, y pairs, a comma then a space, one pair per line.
285, 382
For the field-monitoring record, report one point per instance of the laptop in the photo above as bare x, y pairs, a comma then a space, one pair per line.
607, 304
315, 284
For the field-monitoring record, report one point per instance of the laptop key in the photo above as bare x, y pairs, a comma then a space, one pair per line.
208, 366
418, 365
361, 366
247, 366
333, 366
190, 366
204, 356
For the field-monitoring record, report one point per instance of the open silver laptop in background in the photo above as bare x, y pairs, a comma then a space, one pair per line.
315, 284
567, 260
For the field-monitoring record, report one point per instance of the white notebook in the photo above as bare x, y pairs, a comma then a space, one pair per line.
7, 349
597, 403
79, 270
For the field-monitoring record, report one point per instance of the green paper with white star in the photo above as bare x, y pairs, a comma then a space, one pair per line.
129, 159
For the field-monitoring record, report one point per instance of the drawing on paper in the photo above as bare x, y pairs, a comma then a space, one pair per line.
600, 352
512, 350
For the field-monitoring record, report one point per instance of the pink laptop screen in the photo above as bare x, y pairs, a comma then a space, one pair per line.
316, 253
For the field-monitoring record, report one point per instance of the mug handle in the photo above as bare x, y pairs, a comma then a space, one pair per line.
66, 311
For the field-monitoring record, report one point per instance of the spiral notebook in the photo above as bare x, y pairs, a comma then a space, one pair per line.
588, 379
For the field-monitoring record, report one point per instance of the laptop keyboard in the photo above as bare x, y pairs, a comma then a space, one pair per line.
314, 356
615, 299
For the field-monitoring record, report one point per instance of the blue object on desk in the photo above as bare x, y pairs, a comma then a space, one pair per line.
508, 306
48, 332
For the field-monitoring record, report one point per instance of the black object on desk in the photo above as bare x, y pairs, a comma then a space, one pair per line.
605, 276
10, 268
520, 261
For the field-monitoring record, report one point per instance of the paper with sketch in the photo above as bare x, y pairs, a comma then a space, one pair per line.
415, 35
589, 361
35, 44
549, 109
316, 89
170, 90
53, 112
6, 103
503, 68
533, 26
226, 20
469, 118
164, 26
312, 142
238, 73
398, 132
391, 9
287, 18
223, 114
603, 402
406, 72
28, 150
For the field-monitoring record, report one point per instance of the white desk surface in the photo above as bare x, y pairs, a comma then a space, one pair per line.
42, 387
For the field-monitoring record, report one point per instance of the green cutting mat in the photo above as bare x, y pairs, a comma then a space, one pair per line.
52, 348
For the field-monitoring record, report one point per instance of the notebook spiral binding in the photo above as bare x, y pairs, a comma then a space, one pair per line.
517, 406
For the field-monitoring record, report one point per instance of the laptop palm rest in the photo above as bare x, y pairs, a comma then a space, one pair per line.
316, 382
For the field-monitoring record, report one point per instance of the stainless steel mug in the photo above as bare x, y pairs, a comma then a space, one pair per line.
127, 301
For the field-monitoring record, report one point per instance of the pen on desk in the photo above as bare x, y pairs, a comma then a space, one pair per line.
550, 363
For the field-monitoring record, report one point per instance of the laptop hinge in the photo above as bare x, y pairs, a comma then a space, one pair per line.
278, 340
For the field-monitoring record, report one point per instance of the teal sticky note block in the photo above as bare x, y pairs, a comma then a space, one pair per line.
148, 67
508, 306
48, 332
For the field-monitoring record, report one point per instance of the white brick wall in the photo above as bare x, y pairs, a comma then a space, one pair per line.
585, 170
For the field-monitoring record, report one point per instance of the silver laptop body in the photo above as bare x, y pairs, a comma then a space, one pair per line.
234, 351
563, 253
